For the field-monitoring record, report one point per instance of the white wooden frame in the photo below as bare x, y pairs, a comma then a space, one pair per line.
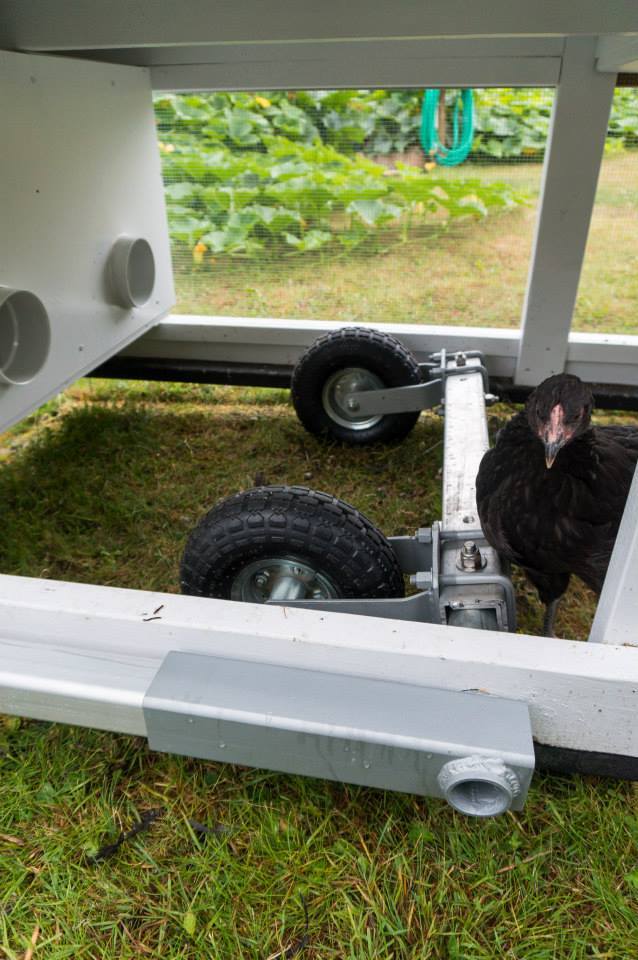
66, 649
597, 358
85, 654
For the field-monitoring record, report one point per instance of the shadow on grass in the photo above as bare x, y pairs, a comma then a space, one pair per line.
108, 491
108, 494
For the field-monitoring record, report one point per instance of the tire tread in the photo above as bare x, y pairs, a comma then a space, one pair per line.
373, 349
294, 520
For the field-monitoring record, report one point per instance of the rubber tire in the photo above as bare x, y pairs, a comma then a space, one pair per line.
377, 352
317, 528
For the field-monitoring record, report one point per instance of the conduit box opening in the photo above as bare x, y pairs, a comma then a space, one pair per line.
471, 749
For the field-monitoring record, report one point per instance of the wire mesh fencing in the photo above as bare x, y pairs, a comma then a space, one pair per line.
378, 205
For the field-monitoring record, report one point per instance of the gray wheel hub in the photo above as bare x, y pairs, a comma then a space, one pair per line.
281, 578
336, 389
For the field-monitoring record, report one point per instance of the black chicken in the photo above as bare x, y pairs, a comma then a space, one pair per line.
551, 492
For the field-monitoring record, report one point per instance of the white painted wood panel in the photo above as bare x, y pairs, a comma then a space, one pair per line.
79, 167
617, 54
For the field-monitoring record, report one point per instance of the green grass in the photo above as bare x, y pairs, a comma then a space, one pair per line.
383, 875
103, 485
106, 481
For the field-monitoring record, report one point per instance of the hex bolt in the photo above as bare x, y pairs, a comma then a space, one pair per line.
470, 556
461, 359
261, 579
352, 404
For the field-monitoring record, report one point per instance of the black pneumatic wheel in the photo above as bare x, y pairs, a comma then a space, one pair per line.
288, 543
341, 363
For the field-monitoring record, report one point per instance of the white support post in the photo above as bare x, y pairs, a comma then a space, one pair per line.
574, 152
616, 619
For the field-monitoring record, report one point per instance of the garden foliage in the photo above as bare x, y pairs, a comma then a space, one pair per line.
246, 173
514, 123
295, 172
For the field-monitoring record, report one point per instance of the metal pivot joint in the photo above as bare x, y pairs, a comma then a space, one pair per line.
353, 394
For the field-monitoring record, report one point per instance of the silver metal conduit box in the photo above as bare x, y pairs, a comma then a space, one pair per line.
472, 749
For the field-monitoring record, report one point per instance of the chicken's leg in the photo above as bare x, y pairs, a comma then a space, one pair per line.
550, 616
550, 588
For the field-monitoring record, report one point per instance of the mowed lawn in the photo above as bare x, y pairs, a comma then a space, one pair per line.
104, 484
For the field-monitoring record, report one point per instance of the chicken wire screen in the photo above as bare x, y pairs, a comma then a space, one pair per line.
371, 206
608, 294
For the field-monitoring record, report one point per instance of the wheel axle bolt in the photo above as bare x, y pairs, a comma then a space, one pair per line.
352, 404
470, 556
261, 579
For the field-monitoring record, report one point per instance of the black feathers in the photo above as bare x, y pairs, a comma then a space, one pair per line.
551, 492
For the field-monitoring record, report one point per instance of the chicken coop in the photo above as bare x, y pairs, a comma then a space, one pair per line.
433, 693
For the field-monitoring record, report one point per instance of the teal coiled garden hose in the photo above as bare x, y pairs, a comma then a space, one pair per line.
462, 132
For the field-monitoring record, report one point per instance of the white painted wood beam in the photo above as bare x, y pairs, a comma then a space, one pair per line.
574, 152
526, 61
595, 357
77, 653
78, 24
616, 619
340, 70
218, 53
617, 54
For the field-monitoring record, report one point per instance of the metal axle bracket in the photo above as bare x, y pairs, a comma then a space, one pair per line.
457, 574
420, 396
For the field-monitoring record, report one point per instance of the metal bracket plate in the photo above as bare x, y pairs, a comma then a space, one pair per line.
418, 396
353, 729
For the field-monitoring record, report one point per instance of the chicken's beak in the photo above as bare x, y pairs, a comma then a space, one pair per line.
551, 450
555, 435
